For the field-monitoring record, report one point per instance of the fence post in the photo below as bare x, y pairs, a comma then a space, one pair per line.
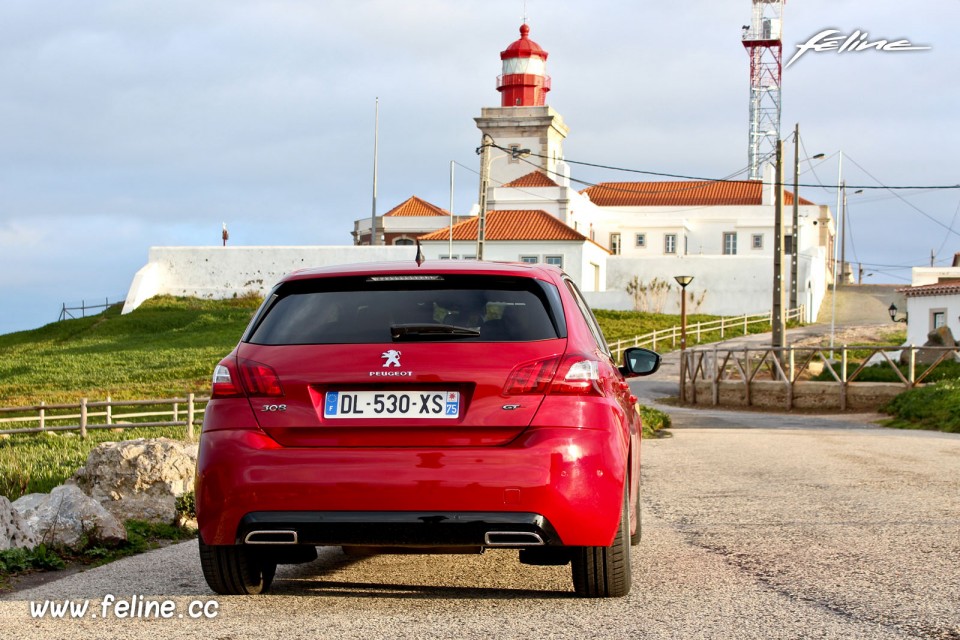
683, 377
747, 374
721, 326
698, 333
913, 366
190, 411
43, 416
716, 375
744, 324
791, 363
843, 378
83, 418
109, 410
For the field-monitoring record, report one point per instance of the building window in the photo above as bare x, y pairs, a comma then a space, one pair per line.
529, 259
670, 243
641, 240
514, 155
556, 261
757, 241
615, 244
403, 242
729, 244
938, 318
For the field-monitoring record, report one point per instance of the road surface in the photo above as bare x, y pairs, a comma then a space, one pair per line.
754, 526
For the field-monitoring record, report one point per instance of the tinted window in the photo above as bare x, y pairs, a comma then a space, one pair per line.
363, 310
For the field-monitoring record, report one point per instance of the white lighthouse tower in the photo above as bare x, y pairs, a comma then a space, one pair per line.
523, 120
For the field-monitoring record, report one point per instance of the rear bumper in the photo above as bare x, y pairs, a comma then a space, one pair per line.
397, 529
565, 485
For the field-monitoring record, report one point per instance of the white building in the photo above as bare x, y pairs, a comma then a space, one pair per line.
606, 236
933, 301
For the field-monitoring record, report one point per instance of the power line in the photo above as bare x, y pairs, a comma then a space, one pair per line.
703, 179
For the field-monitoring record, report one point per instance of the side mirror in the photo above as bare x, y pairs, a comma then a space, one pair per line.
639, 362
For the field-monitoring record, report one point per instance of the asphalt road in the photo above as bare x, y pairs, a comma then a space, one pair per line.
817, 529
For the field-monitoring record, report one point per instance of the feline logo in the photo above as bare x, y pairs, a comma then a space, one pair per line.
391, 357
833, 40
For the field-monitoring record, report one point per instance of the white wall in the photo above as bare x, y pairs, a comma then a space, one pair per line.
932, 275
732, 286
222, 272
577, 256
920, 323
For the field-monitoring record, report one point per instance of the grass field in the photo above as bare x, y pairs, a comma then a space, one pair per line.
166, 348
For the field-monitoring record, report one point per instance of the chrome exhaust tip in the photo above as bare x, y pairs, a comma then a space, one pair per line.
512, 539
271, 537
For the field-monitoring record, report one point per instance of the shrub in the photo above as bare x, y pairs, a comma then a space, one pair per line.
935, 407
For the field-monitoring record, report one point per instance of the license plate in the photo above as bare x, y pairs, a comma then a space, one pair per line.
391, 404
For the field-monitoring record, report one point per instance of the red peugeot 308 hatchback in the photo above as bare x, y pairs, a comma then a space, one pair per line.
456, 406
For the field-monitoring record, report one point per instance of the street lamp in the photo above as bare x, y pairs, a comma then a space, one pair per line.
683, 281
892, 310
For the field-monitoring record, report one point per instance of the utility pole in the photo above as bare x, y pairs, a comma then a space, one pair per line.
778, 256
485, 143
794, 246
376, 138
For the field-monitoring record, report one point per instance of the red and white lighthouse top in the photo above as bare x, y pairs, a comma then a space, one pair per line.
524, 81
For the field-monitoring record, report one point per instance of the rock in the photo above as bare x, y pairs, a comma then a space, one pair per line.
139, 479
14, 531
940, 337
70, 518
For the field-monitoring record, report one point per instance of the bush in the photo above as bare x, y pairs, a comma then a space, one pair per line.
654, 420
935, 407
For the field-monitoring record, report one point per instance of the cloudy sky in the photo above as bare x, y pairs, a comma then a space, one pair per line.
126, 125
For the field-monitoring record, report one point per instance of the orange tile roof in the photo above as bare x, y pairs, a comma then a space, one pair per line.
532, 179
943, 288
414, 206
511, 225
680, 193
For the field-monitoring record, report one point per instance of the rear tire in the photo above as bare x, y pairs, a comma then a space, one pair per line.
605, 572
235, 570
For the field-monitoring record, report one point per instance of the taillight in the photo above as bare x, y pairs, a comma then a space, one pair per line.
224, 386
575, 375
531, 377
578, 375
260, 379
255, 379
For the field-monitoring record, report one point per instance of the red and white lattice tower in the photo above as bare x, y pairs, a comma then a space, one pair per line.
762, 39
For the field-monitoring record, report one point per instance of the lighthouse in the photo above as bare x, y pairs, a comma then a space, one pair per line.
523, 120
524, 81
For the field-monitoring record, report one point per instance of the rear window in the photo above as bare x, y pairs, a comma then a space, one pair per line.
386, 309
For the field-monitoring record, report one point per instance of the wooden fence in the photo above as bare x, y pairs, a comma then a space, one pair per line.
85, 415
66, 313
734, 326
792, 366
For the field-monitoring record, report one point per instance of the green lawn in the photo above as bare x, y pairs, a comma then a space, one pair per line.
166, 348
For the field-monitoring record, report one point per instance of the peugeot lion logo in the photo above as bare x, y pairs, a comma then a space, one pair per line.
391, 357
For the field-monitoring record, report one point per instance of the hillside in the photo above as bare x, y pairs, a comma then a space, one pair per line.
168, 347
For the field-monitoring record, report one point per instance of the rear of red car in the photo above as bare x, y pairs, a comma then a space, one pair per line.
456, 408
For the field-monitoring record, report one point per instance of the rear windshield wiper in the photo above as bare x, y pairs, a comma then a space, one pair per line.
405, 332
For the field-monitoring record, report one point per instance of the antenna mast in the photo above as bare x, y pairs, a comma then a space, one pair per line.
762, 39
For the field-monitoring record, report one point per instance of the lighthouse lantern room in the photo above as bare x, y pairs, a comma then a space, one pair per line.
524, 81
